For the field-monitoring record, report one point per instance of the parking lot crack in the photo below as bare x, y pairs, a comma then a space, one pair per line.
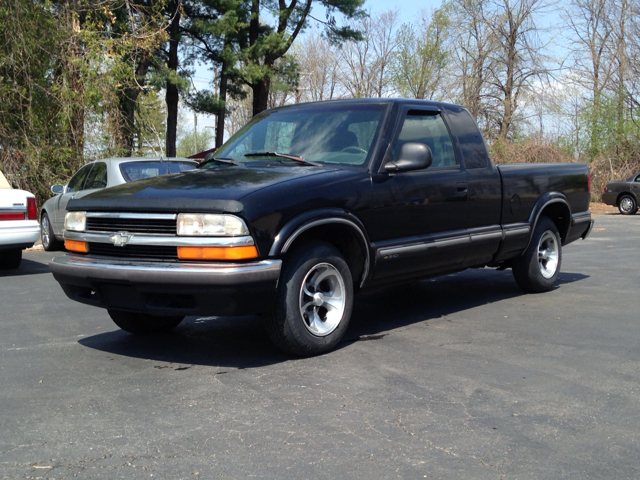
445, 450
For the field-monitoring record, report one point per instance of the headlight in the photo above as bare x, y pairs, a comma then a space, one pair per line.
75, 221
211, 225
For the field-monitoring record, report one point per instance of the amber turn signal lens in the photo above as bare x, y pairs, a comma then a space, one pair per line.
217, 253
76, 246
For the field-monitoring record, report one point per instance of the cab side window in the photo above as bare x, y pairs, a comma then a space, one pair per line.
428, 128
77, 181
638, 178
98, 176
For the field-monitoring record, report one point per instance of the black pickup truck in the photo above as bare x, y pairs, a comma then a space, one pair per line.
307, 204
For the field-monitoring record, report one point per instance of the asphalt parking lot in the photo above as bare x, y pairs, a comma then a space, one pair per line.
462, 376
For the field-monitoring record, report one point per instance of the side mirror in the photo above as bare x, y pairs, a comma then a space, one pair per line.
57, 189
413, 156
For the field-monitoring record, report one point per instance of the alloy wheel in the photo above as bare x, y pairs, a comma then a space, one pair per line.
322, 299
548, 253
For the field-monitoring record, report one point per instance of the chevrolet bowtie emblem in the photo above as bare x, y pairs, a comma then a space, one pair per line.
120, 239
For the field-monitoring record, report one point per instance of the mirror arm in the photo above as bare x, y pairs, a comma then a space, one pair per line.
391, 167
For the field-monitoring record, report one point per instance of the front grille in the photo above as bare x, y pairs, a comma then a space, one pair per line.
137, 251
132, 225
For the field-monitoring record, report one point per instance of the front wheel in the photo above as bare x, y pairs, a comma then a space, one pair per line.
313, 301
627, 205
48, 238
537, 270
143, 324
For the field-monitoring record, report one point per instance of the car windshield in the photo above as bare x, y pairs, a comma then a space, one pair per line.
333, 134
132, 171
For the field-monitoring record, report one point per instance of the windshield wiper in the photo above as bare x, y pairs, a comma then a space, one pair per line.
296, 158
222, 160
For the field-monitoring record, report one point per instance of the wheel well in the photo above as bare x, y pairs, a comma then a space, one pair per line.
624, 194
345, 239
560, 215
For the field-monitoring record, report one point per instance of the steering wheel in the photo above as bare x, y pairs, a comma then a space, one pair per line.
353, 149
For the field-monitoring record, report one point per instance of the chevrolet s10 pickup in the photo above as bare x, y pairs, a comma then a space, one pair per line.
307, 204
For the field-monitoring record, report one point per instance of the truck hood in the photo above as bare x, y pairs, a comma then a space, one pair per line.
213, 189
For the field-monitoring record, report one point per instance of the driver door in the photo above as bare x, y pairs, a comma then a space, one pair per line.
420, 225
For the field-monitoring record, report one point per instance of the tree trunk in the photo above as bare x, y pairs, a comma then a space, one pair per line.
260, 88
127, 107
260, 95
128, 100
77, 112
622, 70
508, 89
223, 99
172, 96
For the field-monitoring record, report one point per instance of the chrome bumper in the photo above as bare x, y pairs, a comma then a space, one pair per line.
169, 288
164, 272
21, 236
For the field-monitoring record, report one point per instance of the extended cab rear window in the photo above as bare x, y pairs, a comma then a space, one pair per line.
132, 171
474, 151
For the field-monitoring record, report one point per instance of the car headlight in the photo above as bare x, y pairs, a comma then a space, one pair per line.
211, 225
75, 221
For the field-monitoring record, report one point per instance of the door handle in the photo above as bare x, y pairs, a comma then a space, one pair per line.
462, 191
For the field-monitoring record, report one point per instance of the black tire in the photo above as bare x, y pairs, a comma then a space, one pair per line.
537, 270
305, 324
627, 205
143, 324
10, 259
47, 237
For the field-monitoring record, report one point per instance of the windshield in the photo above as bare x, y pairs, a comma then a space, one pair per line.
333, 134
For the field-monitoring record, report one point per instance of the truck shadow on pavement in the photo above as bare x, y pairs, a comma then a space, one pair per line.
397, 307
242, 342
27, 267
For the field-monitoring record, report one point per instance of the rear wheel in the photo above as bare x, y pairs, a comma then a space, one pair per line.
627, 205
143, 324
313, 302
10, 259
537, 270
48, 238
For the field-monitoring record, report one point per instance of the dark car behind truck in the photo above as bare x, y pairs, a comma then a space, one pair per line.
623, 194
308, 203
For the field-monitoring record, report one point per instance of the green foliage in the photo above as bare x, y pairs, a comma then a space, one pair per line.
40, 102
206, 101
192, 143
150, 125
600, 130
421, 56
607, 131
70, 69
259, 33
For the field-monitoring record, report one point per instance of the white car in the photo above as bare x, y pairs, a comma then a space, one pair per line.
93, 176
19, 226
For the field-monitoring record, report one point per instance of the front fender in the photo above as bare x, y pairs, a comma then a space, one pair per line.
300, 224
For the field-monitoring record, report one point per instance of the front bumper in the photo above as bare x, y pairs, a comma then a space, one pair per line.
169, 288
19, 234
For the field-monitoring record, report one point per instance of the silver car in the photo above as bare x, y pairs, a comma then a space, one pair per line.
94, 176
